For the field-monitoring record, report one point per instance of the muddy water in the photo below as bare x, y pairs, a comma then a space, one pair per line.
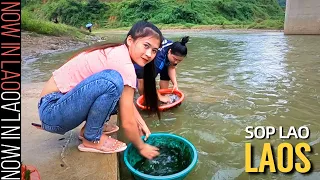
233, 80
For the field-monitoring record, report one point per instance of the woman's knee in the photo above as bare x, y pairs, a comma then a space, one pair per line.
114, 77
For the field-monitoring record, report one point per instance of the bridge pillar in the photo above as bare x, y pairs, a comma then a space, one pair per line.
302, 17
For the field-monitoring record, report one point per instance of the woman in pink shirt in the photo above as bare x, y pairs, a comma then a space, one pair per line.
91, 85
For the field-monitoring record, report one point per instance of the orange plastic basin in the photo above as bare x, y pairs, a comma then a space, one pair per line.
34, 173
140, 100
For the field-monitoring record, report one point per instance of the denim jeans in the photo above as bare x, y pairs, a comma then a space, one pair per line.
93, 100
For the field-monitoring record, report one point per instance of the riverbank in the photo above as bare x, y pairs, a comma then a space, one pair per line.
35, 45
195, 28
100, 32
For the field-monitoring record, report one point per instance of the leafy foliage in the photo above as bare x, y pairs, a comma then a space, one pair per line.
31, 23
124, 13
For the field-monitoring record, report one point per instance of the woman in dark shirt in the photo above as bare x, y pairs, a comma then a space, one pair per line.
165, 62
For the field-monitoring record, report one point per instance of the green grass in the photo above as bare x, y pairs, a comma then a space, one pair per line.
178, 14
30, 23
267, 24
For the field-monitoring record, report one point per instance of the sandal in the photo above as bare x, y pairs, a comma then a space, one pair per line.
108, 129
106, 145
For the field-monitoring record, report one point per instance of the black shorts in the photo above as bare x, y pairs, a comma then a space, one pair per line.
139, 73
164, 74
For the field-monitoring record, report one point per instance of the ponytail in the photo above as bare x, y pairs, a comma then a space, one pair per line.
184, 40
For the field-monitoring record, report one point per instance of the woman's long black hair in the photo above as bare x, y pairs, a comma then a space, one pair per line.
150, 89
145, 29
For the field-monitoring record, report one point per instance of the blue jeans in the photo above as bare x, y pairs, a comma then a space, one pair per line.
93, 100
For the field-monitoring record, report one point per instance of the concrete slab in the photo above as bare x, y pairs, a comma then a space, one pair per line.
57, 156
302, 17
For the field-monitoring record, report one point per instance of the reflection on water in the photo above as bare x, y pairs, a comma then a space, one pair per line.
232, 80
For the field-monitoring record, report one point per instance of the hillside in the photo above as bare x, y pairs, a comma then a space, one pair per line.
117, 13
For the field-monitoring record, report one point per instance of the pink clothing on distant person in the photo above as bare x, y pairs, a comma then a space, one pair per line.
86, 64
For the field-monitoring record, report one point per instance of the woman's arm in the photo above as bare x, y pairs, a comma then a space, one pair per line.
130, 126
128, 121
138, 117
173, 77
141, 123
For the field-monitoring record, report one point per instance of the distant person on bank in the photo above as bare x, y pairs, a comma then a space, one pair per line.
89, 26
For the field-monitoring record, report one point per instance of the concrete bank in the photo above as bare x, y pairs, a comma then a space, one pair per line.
57, 156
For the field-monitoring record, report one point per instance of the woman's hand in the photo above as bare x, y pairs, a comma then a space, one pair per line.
144, 130
175, 87
149, 151
164, 99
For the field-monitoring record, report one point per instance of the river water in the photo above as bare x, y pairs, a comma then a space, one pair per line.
233, 80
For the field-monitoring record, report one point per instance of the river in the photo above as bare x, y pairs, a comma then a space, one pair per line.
233, 80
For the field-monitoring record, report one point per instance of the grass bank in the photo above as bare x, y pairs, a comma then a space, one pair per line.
256, 14
264, 26
33, 24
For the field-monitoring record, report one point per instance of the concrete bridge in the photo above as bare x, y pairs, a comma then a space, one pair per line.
302, 17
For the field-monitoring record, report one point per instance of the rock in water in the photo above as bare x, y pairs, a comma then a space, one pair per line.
170, 161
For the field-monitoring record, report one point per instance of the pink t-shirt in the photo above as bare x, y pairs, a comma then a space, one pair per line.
86, 64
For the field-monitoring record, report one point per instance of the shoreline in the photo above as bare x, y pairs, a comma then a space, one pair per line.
201, 29
36, 45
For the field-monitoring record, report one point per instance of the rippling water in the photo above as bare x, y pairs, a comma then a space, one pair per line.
234, 80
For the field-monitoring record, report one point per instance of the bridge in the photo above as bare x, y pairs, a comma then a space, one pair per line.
302, 17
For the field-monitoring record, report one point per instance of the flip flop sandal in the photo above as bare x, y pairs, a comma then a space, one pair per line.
104, 132
117, 146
